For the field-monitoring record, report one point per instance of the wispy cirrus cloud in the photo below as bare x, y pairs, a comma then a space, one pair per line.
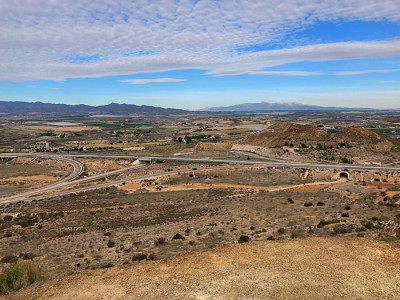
285, 73
151, 80
56, 40
366, 71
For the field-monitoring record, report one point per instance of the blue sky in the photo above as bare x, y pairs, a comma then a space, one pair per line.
196, 54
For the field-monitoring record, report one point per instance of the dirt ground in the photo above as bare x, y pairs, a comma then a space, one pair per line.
25, 173
199, 210
313, 268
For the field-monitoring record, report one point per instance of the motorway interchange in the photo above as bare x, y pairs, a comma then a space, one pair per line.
56, 189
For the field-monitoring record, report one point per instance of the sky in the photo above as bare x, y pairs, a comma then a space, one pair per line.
193, 54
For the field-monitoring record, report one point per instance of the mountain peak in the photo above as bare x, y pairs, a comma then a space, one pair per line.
277, 106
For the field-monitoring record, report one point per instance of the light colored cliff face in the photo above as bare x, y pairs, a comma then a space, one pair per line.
255, 149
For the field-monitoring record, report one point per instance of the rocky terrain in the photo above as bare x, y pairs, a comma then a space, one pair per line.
350, 143
312, 268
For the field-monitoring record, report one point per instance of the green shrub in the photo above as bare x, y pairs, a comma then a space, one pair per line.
106, 266
322, 223
369, 225
18, 275
294, 235
7, 218
244, 239
139, 257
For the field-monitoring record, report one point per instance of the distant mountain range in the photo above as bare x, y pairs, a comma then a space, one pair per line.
280, 106
19, 107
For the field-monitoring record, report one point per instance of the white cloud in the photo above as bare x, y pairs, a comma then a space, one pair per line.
144, 81
285, 73
56, 40
366, 71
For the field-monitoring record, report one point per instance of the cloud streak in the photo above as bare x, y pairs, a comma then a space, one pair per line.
366, 72
156, 80
56, 40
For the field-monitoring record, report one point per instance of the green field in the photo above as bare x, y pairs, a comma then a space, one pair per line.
118, 125
386, 130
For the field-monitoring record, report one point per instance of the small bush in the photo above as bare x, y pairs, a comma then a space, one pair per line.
27, 256
308, 204
322, 223
339, 229
8, 234
347, 208
359, 229
151, 256
107, 234
281, 231
106, 266
369, 225
320, 203
7, 218
8, 258
178, 236
139, 257
159, 241
244, 239
294, 235
110, 244
290, 200
345, 215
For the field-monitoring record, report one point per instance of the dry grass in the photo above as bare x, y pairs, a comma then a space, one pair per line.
18, 275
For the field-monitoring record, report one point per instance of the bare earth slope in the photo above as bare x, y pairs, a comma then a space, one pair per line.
313, 268
278, 133
297, 134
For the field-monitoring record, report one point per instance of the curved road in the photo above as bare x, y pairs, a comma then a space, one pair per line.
243, 163
116, 182
78, 168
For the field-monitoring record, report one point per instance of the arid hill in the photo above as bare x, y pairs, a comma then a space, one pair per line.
315, 268
296, 134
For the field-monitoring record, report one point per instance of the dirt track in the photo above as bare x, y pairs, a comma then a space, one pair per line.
313, 268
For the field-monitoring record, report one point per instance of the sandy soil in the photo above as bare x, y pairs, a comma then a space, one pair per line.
306, 187
313, 268
108, 163
25, 179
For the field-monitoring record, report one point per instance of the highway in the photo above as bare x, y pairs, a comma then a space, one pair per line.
281, 163
114, 183
78, 168
63, 184
67, 182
